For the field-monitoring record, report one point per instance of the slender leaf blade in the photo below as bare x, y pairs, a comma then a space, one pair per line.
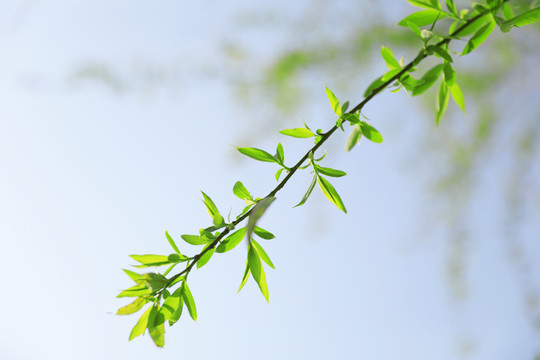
203, 260
442, 101
189, 301
308, 192
132, 308
264, 234
354, 138
172, 243
240, 190
298, 132
231, 241
330, 172
457, 95
422, 18
256, 154
389, 59
478, 38
262, 254
257, 270
331, 193
141, 324
370, 132
334, 102
194, 239
245, 277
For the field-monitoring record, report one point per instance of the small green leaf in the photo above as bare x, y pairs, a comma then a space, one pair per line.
429, 79
189, 301
212, 210
267, 235
155, 281
344, 107
507, 11
280, 154
457, 95
194, 239
374, 85
441, 52
527, 18
429, 4
390, 74
134, 276
449, 74
354, 138
415, 29
171, 304
353, 118
478, 38
330, 172
331, 193
256, 154
298, 132
240, 190
423, 17
133, 307
389, 58
245, 277
370, 132
255, 266
141, 324
451, 7
442, 101
258, 211
172, 243
278, 173
231, 241
308, 192
334, 102
262, 254
205, 258
157, 333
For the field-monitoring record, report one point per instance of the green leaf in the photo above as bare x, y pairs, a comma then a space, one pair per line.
245, 277
256, 154
177, 304
507, 11
133, 307
154, 281
151, 260
370, 132
205, 258
194, 239
451, 7
134, 276
442, 101
231, 241
415, 29
240, 190
354, 138
330, 172
433, 4
171, 305
390, 74
141, 324
353, 118
423, 17
255, 266
267, 235
331, 193
212, 210
334, 102
527, 18
172, 243
157, 333
308, 192
457, 95
478, 38
280, 154
449, 74
258, 211
278, 173
374, 85
262, 254
410, 83
441, 52
429, 78
344, 107
389, 58
189, 301
298, 132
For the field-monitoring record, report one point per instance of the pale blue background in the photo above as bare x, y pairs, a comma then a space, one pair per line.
92, 171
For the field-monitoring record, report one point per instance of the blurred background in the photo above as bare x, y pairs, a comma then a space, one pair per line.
114, 115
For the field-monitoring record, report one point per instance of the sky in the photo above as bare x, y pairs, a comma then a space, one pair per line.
95, 170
